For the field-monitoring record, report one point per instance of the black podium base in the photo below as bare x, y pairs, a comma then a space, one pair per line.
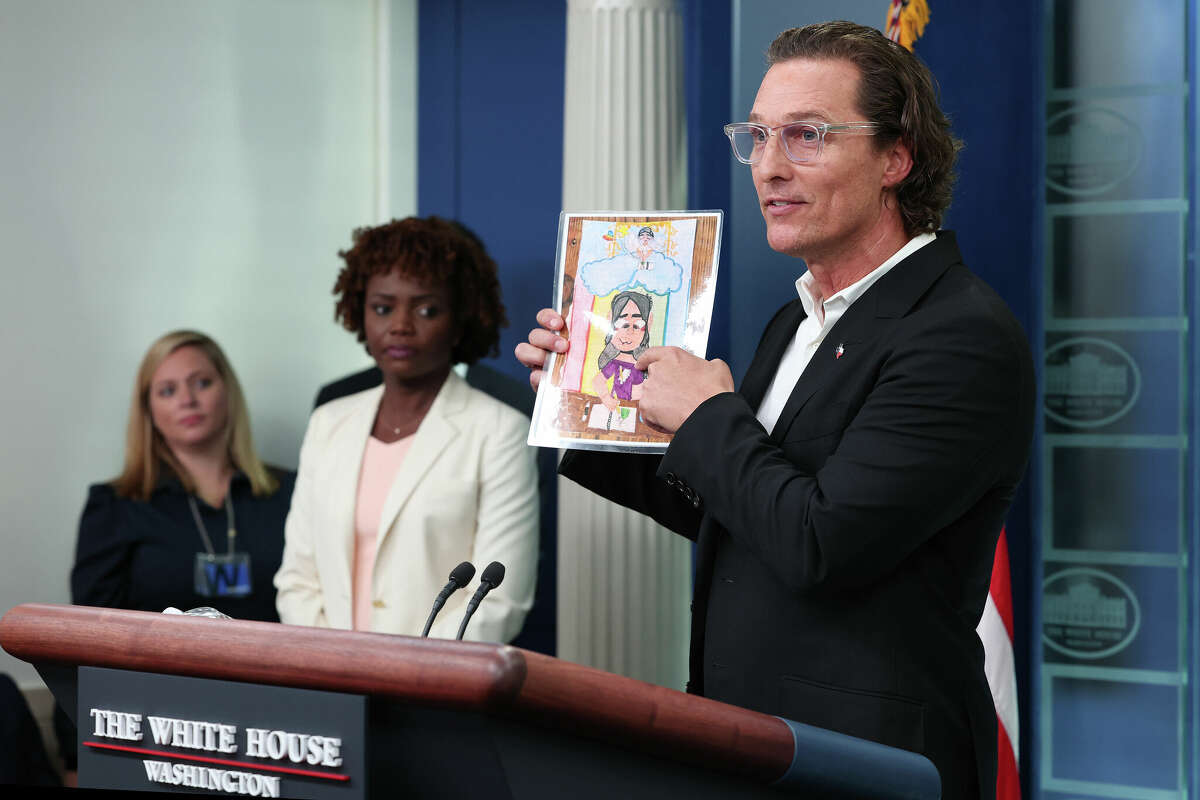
417, 752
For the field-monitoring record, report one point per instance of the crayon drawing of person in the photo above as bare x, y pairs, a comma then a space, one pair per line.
644, 249
628, 340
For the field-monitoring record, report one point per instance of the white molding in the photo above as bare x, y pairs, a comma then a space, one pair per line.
381, 14
624, 582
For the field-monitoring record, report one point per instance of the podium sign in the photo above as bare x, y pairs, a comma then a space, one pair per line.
234, 707
147, 731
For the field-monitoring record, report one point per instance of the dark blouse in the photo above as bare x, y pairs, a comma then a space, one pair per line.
140, 555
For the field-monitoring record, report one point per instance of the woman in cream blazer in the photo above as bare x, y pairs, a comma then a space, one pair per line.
399, 484
467, 491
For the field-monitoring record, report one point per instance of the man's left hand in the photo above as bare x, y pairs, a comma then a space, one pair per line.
677, 382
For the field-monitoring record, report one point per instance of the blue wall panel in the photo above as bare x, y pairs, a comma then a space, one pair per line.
707, 54
489, 143
990, 89
490, 137
438, 109
1117, 680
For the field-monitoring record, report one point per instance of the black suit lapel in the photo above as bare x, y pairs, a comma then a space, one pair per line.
891, 297
779, 333
836, 354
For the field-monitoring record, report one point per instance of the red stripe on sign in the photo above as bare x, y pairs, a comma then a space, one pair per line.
210, 760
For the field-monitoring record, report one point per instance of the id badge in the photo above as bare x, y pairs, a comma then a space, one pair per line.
222, 576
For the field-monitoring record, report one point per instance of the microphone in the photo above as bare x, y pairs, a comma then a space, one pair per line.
493, 574
460, 576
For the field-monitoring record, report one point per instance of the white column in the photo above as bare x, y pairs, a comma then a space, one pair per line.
624, 582
381, 12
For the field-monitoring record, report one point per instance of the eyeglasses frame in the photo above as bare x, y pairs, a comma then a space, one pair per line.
822, 128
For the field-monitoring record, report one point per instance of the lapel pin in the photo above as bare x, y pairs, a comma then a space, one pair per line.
841, 348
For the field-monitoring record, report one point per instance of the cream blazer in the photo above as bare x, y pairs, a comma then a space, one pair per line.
466, 491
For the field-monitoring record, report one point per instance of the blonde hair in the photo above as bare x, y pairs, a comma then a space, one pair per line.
146, 450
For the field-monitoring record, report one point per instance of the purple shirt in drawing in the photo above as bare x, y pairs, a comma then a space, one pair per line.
626, 378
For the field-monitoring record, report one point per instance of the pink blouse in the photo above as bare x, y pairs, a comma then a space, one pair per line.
380, 464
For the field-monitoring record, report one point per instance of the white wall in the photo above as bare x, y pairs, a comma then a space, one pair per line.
176, 164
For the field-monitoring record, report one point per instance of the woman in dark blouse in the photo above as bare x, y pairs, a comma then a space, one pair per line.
193, 492
195, 518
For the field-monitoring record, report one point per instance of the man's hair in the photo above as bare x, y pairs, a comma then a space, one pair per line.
436, 251
897, 92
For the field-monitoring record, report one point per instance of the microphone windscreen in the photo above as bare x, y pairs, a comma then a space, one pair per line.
463, 573
493, 574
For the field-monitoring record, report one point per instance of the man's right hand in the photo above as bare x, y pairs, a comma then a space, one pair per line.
545, 339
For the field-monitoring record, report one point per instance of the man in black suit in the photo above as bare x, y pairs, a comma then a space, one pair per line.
847, 499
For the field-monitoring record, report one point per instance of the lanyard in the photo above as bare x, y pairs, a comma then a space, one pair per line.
232, 532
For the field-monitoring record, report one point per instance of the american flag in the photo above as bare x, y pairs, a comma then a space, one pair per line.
906, 20
996, 631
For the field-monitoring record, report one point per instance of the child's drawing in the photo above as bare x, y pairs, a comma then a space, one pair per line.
618, 379
625, 284
628, 257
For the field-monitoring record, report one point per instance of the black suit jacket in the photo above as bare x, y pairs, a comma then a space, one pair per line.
843, 559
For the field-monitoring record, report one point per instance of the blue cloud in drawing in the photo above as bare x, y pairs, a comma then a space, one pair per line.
606, 275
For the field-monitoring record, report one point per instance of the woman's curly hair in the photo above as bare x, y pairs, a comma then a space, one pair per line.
897, 92
432, 250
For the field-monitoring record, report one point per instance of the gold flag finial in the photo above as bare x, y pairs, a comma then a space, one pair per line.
906, 21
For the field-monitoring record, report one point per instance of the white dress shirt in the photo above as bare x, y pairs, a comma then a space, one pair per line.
822, 315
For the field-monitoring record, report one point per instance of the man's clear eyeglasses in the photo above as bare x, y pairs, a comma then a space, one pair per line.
802, 141
625, 324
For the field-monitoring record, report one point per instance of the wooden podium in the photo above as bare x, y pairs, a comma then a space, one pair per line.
444, 719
